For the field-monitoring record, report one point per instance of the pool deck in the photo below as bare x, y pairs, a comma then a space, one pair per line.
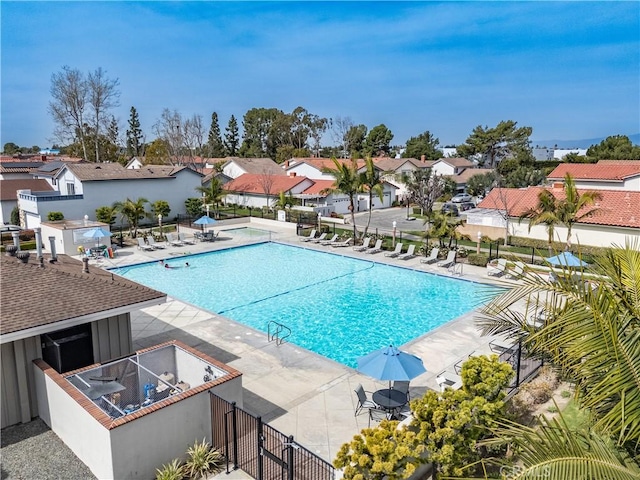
295, 390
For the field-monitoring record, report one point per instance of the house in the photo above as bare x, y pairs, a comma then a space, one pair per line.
9, 194
617, 217
395, 168
450, 166
81, 188
314, 168
319, 195
236, 166
67, 357
257, 190
15, 169
620, 175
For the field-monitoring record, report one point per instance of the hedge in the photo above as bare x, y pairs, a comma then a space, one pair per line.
478, 259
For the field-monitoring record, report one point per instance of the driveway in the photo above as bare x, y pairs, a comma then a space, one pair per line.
383, 220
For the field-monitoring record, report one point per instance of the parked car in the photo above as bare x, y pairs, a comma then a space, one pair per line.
450, 208
464, 206
462, 197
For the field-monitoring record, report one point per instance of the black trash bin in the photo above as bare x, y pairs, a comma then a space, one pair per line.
298, 229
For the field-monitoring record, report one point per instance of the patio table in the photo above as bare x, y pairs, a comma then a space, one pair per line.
389, 399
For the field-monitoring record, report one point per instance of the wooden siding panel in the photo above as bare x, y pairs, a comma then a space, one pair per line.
10, 401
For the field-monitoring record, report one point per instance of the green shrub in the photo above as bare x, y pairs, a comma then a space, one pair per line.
479, 260
202, 460
15, 216
55, 216
171, 471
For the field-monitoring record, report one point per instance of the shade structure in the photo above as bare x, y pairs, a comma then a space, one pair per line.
389, 363
566, 259
97, 233
205, 220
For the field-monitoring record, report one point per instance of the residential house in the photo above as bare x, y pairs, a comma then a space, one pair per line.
393, 170
314, 168
604, 175
9, 194
460, 170
81, 188
234, 167
617, 217
258, 190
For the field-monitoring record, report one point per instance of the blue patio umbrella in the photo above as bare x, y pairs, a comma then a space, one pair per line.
566, 259
389, 363
97, 233
205, 220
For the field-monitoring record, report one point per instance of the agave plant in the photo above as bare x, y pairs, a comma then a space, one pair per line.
202, 460
171, 471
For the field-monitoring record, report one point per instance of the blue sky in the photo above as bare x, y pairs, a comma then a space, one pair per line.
570, 70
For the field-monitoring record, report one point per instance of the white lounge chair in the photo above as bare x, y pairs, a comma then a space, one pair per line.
173, 241
143, 246
518, 270
183, 238
498, 269
311, 236
409, 254
364, 246
433, 256
396, 252
449, 261
448, 380
376, 248
320, 238
153, 243
344, 243
330, 241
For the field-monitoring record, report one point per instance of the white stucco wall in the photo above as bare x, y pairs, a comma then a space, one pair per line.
630, 184
306, 170
86, 438
441, 168
232, 170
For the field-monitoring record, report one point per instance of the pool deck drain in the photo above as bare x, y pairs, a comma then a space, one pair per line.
297, 391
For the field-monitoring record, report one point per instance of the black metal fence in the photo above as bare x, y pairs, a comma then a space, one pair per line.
523, 365
260, 450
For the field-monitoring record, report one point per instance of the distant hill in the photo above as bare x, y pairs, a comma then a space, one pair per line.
584, 143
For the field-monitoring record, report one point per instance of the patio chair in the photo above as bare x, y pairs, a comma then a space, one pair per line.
320, 238
330, 241
376, 248
378, 414
363, 400
364, 246
449, 261
344, 243
173, 241
497, 269
433, 256
209, 236
409, 253
143, 246
311, 236
154, 244
448, 380
183, 238
402, 386
396, 252
518, 270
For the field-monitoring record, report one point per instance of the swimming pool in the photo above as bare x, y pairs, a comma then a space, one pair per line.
336, 306
249, 232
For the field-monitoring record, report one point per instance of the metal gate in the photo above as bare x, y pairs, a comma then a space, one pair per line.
260, 450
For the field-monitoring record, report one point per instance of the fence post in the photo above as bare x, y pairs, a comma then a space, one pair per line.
518, 363
234, 426
290, 471
533, 250
260, 447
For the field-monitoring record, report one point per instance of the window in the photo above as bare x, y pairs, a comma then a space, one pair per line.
71, 189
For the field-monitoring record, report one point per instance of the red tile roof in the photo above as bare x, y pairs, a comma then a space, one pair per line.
616, 207
8, 188
319, 186
595, 171
255, 183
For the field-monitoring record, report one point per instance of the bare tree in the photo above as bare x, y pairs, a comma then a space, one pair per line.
169, 128
103, 95
266, 180
503, 206
69, 92
194, 135
339, 129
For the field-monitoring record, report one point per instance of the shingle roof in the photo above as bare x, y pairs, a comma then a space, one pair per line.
595, 171
456, 162
389, 164
255, 183
258, 165
616, 207
88, 172
33, 296
8, 188
466, 174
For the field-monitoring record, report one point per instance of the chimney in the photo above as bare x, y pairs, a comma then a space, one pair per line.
85, 264
558, 185
16, 240
38, 232
286, 164
423, 158
292, 174
54, 256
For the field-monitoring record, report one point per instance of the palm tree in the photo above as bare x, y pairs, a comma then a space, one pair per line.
373, 182
441, 227
575, 206
213, 193
593, 337
347, 182
545, 212
133, 211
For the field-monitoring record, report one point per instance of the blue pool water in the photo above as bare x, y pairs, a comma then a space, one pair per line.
336, 306
248, 232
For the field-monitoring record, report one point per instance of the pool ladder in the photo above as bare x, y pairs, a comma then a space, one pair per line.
277, 332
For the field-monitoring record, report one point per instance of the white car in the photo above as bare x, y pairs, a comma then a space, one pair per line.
462, 197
